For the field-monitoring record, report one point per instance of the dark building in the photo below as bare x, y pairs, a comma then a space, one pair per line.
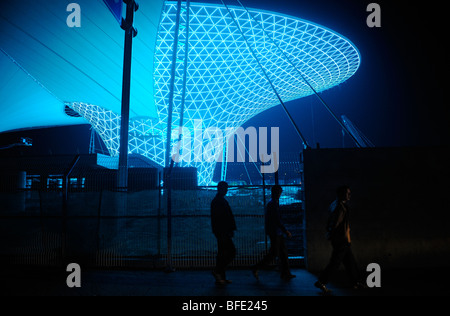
83, 172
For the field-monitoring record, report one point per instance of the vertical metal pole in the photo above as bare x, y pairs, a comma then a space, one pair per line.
276, 164
169, 161
264, 199
167, 180
65, 192
159, 212
183, 96
99, 214
172, 85
186, 56
130, 32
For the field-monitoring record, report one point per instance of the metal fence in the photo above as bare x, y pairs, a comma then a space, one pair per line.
48, 225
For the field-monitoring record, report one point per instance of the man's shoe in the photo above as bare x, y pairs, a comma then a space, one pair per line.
288, 277
219, 280
322, 287
255, 273
359, 286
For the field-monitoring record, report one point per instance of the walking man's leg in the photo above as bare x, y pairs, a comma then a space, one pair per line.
268, 258
284, 259
351, 266
221, 259
333, 265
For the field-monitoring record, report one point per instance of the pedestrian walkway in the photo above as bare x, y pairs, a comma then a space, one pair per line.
36, 281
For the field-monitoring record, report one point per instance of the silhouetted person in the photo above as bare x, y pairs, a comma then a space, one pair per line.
223, 227
275, 230
338, 233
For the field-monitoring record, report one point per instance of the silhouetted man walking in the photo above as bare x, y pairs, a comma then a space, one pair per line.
338, 232
223, 227
275, 230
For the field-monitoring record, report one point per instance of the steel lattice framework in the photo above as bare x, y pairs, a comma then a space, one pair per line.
225, 85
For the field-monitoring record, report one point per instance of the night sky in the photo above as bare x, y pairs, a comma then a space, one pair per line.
396, 98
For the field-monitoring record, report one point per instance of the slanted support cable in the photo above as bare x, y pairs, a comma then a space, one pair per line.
305, 142
303, 77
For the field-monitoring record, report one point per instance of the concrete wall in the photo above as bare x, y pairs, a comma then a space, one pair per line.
400, 205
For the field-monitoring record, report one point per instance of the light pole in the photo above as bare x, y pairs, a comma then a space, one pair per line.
130, 33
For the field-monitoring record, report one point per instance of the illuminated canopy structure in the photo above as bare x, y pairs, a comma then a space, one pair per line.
230, 63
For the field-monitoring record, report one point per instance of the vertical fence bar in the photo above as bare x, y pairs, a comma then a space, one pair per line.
65, 193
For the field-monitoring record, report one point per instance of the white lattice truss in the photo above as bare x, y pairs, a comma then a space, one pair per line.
225, 86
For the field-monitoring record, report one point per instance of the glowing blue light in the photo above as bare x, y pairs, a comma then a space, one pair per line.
225, 86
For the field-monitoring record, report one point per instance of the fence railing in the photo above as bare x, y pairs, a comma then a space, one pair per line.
106, 228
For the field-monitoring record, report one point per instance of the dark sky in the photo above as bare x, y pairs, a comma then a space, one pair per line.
396, 98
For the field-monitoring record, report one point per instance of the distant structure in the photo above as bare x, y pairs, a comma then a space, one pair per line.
214, 67
224, 84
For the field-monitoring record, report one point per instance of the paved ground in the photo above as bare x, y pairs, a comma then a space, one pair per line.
34, 281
